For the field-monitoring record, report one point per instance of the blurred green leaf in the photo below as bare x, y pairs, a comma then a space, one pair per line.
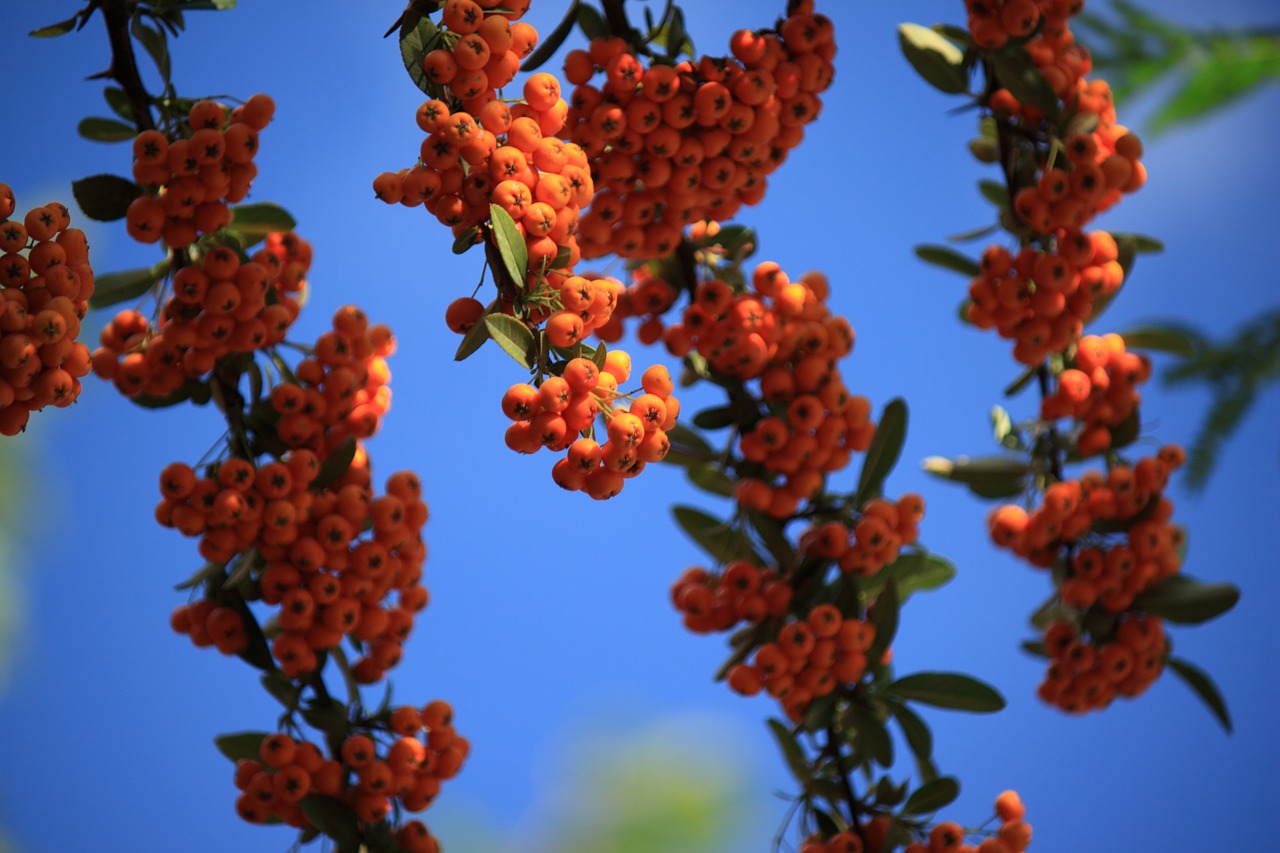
950, 690
549, 45
934, 58
1199, 681
883, 453
948, 258
1185, 600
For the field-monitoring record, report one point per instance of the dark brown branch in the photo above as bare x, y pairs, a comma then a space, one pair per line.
124, 63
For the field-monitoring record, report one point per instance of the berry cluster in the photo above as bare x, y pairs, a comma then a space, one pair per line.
190, 177
872, 836
224, 305
371, 779
873, 542
741, 592
342, 386
561, 413
671, 145
1041, 300
1086, 674
807, 659
1100, 391
1077, 529
45, 285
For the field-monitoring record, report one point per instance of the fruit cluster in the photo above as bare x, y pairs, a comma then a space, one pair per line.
1042, 299
190, 179
871, 836
1100, 391
45, 285
561, 414
1087, 674
423, 751
807, 659
741, 592
222, 305
873, 542
671, 145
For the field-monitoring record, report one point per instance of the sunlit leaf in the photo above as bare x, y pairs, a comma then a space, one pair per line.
516, 339
934, 58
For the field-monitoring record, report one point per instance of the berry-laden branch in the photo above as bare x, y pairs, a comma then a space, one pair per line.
1106, 539
302, 553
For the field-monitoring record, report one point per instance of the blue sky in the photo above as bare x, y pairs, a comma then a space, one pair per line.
549, 618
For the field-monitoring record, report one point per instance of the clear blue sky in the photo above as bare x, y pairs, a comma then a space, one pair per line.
537, 639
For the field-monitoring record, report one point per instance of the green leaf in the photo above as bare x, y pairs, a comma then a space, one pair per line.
774, 539
1199, 681
1021, 382
791, 750
985, 476
54, 30
1228, 70
919, 572
919, 738
870, 737
718, 417
689, 448
193, 389
884, 618
511, 246
974, 234
208, 5
590, 22
948, 690
156, 45
1141, 243
333, 818
515, 338
1161, 339
882, 455
475, 336
115, 287
994, 192
889, 794
105, 130
281, 688
714, 536
711, 479
104, 198
932, 795
1187, 601
937, 60
554, 39
241, 745
253, 222
336, 465
1002, 429
119, 103
417, 39
1035, 647
1017, 73
948, 258
465, 240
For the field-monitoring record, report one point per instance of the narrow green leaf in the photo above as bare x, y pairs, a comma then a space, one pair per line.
465, 240
931, 796
884, 618
718, 417
948, 690
253, 222
104, 198
1046, 613
193, 389
937, 60
417, 37
156, 45
105, 130
336, 465
718, 539
1142, 244
515, 338
1230, 69
775, 540
1035, 647
475, 336
919, 572
919, 738
600, 356
333, 818
711, 479
1021, 382
690, 443
948, 259
994, 192
974, 234
1017, 73
54, 30
115, 287
281, 688
1161, 339
1187, 601
882, 455
791, 750
1199, 681
590, 22
511, 246
554, 39
118, 101
889, 794
985, 476
870, 737
241, 745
